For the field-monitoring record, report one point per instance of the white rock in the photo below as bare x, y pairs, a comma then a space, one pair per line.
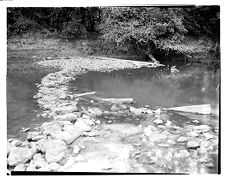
66, 117
95, 111
136, 111
193, 144
54, 150
20, 155
76, 149
32, 134
158, 121
182, 154
82, 125
149, 130
16, 143
20, 167
51, 128
53, 166
38, 160
202, 128
157, 111
182, 139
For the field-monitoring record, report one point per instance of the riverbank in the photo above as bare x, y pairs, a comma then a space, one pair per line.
81, 138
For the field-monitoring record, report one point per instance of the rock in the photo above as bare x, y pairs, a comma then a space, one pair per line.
114, 108
181, 154
39, 161
157, 137
195, 121
65, 109
68, 136
39, 137
24, 130
208, 136
51, 128
168, 123
136, 111
54, 150
158, 121
182, 139
82, 125
16, 143
97, 121
48, 58
9, 148
76, 149
149, 111
89, 122
202, 128
193, 144
149, 130
157, 111
20, 167
66, 117
53, 166
95, 111
168, 157
20, 155
192, 134
91, 133
31, 167
32, 134
69, 163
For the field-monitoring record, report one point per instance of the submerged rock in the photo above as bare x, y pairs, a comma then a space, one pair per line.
20, 155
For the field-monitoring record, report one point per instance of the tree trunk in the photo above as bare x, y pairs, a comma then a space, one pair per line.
152, 58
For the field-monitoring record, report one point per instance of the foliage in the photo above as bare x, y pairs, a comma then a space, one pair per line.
146, 28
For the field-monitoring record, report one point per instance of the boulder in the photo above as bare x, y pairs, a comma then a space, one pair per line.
20, 155
136, 111
95, 111
20, 167
66, 117
54, 150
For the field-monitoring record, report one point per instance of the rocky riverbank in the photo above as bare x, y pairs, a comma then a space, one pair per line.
82, 138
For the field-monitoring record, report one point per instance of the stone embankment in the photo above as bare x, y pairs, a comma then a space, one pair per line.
78, 140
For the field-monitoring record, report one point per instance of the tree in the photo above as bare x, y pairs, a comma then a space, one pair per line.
147, 28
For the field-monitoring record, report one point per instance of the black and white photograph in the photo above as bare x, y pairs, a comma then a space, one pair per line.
117, 89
